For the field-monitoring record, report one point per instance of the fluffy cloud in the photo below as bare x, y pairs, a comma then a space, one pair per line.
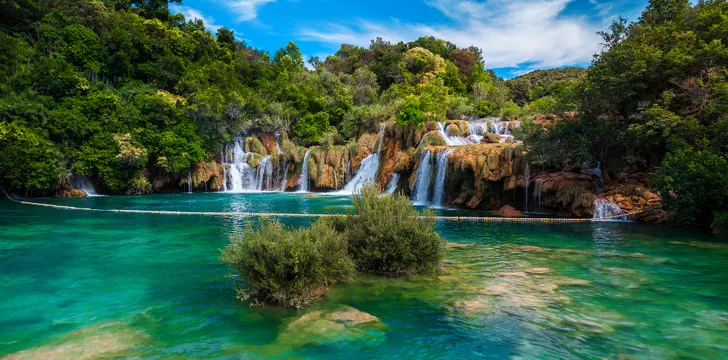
512, 33
246, 10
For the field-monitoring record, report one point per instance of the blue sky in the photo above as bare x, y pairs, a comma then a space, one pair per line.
516, 35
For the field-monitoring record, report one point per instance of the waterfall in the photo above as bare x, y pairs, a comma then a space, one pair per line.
604, 208
303, 183
503, 128
424, 177
452, 140
278, 144
537, 191
527, 176
264, 174
392, 186
285, 175
243, 177
189, 181
440, 174
224, 178
84, 184
366, 175
368, 170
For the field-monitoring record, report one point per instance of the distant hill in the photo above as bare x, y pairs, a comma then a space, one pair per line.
545, 78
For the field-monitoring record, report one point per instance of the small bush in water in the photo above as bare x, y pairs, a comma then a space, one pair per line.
288, 267
386, 236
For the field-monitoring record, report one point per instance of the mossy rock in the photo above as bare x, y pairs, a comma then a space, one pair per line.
432, 138
453, 130
254, 145
490, 138
286, 144
462, 125
254, 160
431, 125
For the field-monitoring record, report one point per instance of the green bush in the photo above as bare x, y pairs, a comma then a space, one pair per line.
288, 267
311, 127
386, 235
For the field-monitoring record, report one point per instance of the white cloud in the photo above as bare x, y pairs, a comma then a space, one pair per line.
246, 10
191, 14
511, 33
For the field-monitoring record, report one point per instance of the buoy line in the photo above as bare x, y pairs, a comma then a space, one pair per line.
314, 215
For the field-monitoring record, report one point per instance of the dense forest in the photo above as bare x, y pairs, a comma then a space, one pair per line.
125, 92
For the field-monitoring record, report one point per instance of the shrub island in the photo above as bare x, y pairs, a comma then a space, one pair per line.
293, 267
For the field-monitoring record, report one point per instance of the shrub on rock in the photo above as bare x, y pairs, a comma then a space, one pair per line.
288, 267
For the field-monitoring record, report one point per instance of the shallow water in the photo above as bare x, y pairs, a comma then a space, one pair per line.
104, 285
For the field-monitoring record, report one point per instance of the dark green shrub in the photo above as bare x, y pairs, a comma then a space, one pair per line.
311, 127
288, 267
386, 235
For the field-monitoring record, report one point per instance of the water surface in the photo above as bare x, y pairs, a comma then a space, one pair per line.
105, 285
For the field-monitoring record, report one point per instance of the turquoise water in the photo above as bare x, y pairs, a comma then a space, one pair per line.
106, 285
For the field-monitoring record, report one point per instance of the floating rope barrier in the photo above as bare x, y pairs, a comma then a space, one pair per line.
494, 219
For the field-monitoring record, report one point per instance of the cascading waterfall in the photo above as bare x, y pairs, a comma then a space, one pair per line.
537, 192
478, 129
264, 174
452, 140
368, 170
503, 128
303, 183
284, 182
189, 181
84, 184
243, 177
604, 208
278, 144
392, 186
527, 177
424, 177
441, 160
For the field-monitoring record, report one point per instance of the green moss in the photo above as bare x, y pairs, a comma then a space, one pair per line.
253, 144
254, 160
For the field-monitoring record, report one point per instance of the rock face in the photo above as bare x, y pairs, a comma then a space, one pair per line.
484, 176
631, 198
508, 211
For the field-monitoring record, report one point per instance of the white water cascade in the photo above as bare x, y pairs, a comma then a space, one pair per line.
452, 140
604, 208
242, 177
284, 182
303, 182
368, 170
424, 178
392, 186
477, 130
189, 181
84, 184
503, 128
527, 177
441, 161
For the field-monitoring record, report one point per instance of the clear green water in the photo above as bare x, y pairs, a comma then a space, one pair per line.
101, 285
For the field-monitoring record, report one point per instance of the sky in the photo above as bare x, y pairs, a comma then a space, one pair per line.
516, 36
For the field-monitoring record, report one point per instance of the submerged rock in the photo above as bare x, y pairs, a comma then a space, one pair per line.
520, 274
105, 340
538, 270
331, 326
533, 249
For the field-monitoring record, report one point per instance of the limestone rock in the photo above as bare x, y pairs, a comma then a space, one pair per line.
509, 211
